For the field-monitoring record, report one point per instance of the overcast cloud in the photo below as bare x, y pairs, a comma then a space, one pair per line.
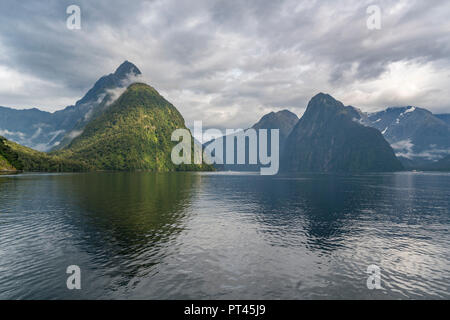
229, 62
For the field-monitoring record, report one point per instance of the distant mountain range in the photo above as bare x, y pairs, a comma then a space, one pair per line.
328, 138
283, 120
45, 131
417, 136
118, 125
419, 139
132, 132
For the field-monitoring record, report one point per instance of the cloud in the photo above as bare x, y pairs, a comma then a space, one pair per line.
404, 148
229, 62
75, 133
114, 94
18, 134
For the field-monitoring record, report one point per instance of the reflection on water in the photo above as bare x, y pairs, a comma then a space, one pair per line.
216, 235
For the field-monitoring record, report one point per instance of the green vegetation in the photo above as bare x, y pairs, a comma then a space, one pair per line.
134, 133
8, 158
5, 165
15, 157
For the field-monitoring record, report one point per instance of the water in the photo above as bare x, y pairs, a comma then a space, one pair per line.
224, 235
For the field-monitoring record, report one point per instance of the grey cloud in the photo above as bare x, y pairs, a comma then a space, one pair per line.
229, 62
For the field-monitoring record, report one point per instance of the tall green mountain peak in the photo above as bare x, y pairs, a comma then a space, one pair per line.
133, 133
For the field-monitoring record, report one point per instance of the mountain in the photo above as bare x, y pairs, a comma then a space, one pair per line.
31, 127
14, 157
134, 133
5, 165
330, 138
97, 99
6, 158
440, 165
426, 165
416, 135
444, 117
283, 120
43, 131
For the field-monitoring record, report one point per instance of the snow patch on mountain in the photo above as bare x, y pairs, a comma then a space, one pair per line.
410, 109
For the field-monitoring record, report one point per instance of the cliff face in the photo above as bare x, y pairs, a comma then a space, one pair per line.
328, 139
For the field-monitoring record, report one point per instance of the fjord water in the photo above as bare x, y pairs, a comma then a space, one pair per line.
224, 235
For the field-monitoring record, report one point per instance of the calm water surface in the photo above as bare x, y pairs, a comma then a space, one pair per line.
224, 235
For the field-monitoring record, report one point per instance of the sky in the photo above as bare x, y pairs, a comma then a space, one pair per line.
227, 63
